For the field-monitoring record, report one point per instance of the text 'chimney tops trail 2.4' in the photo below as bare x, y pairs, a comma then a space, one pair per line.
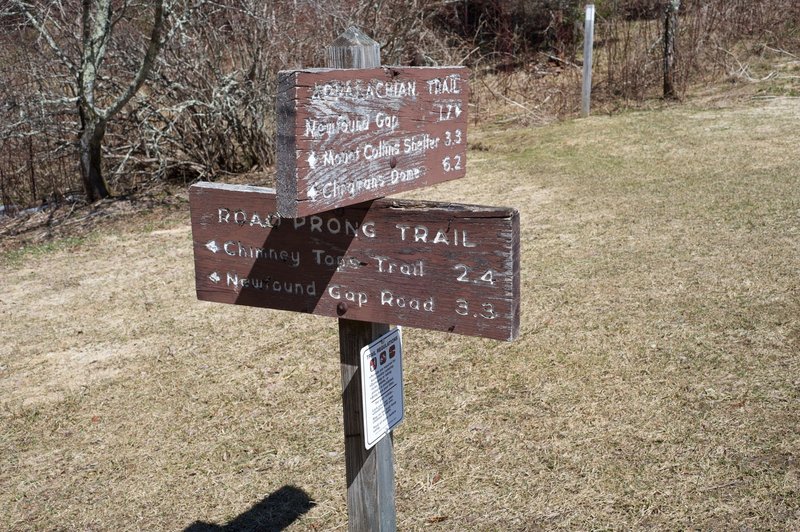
350, 135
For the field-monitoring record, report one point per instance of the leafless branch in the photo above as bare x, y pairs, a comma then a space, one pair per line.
40, 27
154, 45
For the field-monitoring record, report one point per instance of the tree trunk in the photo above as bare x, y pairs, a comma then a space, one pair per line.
670, 30
91, 155
97, 23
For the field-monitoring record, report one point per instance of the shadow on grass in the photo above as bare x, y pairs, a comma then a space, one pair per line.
275, 513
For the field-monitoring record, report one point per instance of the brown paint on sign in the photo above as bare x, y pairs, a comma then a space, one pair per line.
350, 135
430, 265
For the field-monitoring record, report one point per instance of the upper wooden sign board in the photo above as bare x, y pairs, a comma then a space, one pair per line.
431, 265
350, 135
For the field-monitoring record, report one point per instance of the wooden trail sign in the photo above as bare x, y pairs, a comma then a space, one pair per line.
350, 135
430, 265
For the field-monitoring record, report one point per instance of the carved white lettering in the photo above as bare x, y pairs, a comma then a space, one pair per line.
446, 85
357, 90
388, 298
403, 229
441, 238
368, 228
404, 176
332, 158
384, 121
448, 237
420, 143
242, 217
321, 257
234, 248
412, 269
269, 284
317, 224
449, 111
334, 226
316, 129
334, 189
341, 293
384, 148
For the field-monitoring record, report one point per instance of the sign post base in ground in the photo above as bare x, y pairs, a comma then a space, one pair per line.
370, 472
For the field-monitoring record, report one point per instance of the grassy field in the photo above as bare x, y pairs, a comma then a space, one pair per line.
656, 383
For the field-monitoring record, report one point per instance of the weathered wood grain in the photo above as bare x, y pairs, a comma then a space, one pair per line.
350, 135
430, 265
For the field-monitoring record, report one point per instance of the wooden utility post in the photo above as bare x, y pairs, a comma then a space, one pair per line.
588, 46
670, 29
370, 472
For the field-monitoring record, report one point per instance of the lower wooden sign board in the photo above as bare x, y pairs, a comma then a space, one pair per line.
431, 265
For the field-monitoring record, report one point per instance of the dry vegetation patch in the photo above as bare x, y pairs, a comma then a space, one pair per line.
656, 383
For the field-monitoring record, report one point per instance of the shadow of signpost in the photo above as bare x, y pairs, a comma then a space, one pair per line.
274, 513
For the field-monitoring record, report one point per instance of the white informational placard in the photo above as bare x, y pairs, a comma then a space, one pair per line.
382, 386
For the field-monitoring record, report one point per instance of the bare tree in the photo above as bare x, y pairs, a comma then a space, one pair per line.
96, 105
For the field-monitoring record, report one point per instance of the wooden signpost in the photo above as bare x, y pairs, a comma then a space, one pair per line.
324, 244
350, 135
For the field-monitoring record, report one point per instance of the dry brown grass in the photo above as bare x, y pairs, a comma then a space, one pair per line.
656, 383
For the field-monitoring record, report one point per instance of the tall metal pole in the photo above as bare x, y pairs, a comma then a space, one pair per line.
370, 473
588, 45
